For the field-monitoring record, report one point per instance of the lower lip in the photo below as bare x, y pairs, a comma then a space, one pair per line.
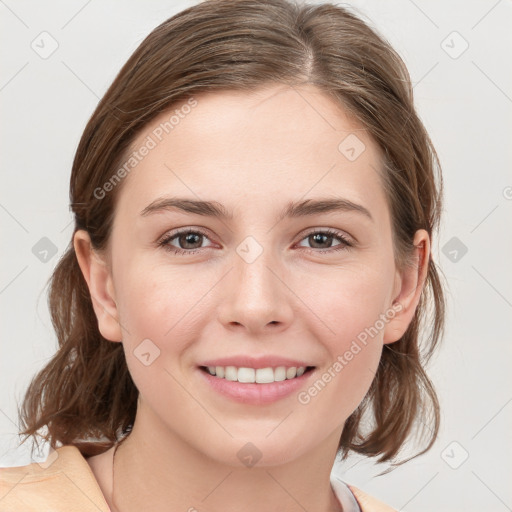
255, 394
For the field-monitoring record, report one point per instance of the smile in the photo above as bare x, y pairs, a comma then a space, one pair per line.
256, 375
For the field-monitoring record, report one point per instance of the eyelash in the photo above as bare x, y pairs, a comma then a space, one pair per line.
344, 245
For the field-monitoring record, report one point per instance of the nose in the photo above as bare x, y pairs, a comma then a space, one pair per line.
257, 297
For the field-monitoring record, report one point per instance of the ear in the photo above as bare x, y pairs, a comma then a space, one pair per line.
101, 288
408, 288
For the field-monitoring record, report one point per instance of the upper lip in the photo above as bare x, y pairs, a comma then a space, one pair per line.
255, 362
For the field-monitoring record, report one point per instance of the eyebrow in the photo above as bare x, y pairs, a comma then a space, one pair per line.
291, 210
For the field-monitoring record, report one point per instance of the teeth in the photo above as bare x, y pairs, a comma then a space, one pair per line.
246, 375
280, 374
291, 372
230, 373
260, 375
264, 375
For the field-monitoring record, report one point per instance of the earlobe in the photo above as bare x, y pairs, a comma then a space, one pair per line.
410, 286
99, 281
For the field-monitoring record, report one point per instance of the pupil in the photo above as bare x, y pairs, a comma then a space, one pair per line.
189, 238
319, 236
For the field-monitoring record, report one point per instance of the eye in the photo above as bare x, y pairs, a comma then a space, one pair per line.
190, 241
324, 237
185, 238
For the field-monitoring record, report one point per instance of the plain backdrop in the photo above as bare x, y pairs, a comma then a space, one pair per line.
57, 60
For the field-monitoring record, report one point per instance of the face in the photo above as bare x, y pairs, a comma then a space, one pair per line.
263, 286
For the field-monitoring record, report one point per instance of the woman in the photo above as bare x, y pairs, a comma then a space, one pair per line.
244, 293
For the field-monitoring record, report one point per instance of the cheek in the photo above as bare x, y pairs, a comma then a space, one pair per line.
351, 315
354, 351
167, 307
339, 388
348, 303
162, 313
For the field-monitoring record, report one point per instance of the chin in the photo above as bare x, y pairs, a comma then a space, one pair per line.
257, 451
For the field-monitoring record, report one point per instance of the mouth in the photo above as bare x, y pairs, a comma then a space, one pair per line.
247, 375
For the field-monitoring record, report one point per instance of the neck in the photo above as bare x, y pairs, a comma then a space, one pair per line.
163, 473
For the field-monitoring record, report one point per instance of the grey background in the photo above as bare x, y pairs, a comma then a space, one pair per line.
465, 101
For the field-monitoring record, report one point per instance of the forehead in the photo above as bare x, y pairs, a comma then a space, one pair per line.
254, 150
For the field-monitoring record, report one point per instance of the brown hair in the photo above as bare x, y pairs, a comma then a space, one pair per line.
85, 396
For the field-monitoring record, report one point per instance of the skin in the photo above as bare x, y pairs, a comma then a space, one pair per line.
252, 152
